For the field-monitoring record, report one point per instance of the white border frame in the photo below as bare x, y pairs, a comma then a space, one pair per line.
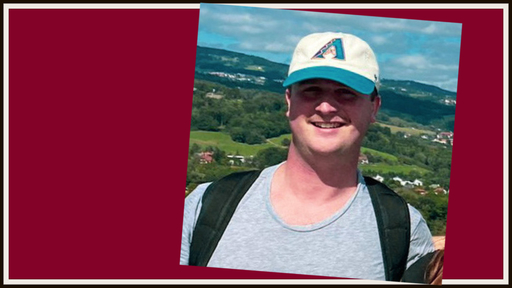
7, 7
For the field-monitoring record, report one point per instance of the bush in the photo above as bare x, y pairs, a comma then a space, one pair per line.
270, 156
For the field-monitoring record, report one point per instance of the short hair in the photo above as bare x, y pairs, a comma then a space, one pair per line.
374, 94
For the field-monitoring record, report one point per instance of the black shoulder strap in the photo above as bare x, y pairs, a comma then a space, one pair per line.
394, 227
218, 205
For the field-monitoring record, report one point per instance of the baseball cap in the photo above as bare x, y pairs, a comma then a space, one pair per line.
336, 56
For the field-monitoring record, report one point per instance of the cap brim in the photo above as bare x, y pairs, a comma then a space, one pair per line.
351, 79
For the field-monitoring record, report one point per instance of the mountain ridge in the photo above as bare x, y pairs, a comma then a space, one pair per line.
404, 102
208, 60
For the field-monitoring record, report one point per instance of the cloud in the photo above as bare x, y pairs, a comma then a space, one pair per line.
450, 84
430, 29
415, 26
416, 61
379, 40
421, 62
420, 68
406, 49
388, 25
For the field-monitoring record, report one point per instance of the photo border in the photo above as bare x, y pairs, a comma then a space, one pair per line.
7, 7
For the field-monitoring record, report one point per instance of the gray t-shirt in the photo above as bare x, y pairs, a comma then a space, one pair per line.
345, 245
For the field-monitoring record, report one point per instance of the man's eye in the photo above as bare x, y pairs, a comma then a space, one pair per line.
311, 92
346, 94
311, 89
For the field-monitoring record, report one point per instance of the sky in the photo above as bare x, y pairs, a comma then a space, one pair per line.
422, 51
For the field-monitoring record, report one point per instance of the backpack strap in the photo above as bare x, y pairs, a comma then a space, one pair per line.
218, 206
394, 225
222, 197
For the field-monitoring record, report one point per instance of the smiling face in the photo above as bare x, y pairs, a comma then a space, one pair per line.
328, 117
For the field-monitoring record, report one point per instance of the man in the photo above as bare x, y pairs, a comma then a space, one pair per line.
312, 214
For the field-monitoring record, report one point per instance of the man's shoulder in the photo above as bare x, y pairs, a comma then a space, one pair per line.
416, 216
414, 213
198, 193
194, 198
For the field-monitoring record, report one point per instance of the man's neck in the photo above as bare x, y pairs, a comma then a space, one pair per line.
321, 178
305, 192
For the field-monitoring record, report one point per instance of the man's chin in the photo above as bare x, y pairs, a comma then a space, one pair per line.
328, 151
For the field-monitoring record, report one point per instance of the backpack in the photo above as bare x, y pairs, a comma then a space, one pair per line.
222, 197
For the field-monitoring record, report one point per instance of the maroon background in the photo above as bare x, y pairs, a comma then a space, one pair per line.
100, 104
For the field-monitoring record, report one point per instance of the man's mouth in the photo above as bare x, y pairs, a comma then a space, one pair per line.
327, 125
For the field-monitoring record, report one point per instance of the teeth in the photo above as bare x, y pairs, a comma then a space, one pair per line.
327, 125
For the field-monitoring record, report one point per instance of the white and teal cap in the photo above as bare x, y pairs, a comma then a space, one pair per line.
340, 57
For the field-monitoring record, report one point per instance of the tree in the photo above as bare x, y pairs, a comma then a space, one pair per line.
194, 149
219, 156
206, 122
286, 142
253, 137
270, 156
237, 134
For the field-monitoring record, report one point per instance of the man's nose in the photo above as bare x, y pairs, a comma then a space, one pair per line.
326, 106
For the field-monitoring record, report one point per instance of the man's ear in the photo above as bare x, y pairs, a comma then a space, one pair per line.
287, 95
376, 106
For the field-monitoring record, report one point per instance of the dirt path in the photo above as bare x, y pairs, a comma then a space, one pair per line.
438, 242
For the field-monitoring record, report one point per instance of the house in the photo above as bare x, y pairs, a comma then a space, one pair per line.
379, 178
440, 190
398, 179
420, 191
407, 183
205, 157
213, 95
236, 159
449, 101
403, 182
442, 141
417, 182
445, 135
363, 159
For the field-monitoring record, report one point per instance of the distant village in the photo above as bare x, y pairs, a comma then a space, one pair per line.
206, 157
441, 137
445, 101
259, 80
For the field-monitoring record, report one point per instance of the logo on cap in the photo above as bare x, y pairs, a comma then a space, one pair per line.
332, 50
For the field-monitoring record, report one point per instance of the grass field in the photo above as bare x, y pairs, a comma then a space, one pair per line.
378, 153
255, 68
278, 140
407, 130
386, 168
224, 142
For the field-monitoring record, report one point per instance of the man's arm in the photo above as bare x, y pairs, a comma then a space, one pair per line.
421, 238
190, 214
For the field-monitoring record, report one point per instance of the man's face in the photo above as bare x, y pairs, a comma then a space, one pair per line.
327, 116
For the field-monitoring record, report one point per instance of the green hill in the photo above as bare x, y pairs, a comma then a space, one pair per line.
224, 142
414, 104
387, 168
